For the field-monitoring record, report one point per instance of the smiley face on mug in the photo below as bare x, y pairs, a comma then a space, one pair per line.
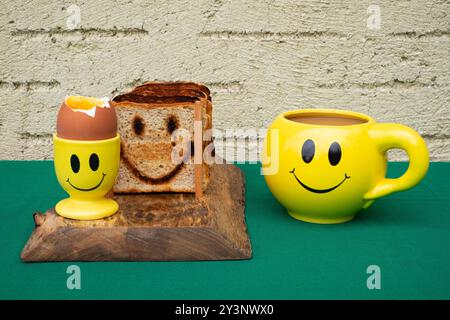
308, 152
323, 171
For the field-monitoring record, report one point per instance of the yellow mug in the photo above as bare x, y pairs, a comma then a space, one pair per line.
325, 165
87, 171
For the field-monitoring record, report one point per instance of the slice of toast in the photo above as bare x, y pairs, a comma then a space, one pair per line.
148, 116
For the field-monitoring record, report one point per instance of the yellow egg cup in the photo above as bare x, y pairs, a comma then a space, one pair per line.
323, 173
87, 171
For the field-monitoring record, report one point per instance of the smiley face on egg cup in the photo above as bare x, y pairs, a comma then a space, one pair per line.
87, 171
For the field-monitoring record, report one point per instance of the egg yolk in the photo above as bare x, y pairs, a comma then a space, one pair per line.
83, 103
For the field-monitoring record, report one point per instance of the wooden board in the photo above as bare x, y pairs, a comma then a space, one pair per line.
153, 227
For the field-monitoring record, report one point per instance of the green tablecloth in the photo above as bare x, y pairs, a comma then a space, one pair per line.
406, 234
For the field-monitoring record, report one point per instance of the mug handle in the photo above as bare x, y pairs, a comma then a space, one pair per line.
388, 136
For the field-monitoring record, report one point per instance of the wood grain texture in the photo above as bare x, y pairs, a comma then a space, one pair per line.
153, 227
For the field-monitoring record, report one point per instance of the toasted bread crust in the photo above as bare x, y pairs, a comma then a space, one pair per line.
151, 94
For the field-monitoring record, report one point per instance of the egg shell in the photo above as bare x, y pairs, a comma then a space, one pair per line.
76, 125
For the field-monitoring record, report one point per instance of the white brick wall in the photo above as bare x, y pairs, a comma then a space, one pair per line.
258, 58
